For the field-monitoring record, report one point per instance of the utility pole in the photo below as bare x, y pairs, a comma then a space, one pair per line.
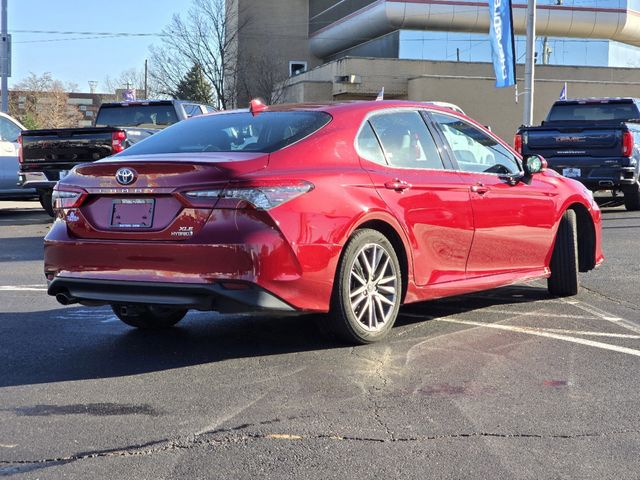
6, 61
529, 65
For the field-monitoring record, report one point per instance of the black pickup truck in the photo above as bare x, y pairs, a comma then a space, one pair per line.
592, 140
48, 155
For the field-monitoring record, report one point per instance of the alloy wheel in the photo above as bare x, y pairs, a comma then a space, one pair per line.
373, 287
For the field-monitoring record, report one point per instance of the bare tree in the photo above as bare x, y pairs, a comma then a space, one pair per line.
42, 102
257, 78
206, 36
132, 78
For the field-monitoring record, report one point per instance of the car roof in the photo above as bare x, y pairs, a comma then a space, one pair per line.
353, 106
14, 120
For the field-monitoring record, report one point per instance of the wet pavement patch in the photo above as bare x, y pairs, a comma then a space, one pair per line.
96, 409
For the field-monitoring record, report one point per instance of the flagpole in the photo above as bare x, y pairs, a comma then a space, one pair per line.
529, 66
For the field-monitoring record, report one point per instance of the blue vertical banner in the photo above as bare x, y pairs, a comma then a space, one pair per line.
502, 42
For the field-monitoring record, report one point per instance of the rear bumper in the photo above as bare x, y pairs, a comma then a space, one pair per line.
600, 174
237, 248
38, 180
199, 296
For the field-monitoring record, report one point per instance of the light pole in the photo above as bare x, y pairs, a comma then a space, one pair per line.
6, 61
529, 65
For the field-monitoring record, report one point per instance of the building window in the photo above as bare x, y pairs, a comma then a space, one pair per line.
297, 67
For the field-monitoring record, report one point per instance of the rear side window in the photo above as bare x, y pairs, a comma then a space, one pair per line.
192, 109
149, 116
406, 141
232, 132
593, 112
368, 146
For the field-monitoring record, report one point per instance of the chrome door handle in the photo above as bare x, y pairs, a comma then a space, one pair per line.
479, 188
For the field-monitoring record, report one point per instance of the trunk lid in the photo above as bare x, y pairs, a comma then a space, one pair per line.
153, 205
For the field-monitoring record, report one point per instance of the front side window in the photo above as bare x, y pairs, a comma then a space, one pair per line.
406, 141
474, 150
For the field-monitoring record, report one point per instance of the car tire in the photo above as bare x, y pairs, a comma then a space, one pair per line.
632, 197
45, 200
564, 281
367, 291
149, 317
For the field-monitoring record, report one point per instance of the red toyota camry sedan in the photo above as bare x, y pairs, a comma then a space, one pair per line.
349, 208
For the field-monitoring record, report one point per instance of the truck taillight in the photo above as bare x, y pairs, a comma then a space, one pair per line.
20, 156
517, 143
627, 144
117, 139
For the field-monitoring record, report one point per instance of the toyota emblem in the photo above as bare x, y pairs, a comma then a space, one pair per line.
125, 176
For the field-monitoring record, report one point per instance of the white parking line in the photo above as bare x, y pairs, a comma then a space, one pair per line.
542, 333
23, 288
541, 314
592, 334
629, 325
592, 310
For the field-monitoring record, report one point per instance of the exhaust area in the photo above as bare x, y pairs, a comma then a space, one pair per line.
66, 299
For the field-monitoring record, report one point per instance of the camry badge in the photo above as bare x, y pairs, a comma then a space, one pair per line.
125, 176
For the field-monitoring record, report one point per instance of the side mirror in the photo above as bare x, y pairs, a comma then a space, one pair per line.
534, 164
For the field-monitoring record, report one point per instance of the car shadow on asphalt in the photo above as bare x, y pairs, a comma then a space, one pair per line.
23, 216
21, 249
446, 307
78, 343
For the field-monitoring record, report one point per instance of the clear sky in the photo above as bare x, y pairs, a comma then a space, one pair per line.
78, 57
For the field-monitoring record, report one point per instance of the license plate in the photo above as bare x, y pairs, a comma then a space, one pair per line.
132, 213
571, 172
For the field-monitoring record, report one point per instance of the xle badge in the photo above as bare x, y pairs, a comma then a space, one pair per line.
183, 232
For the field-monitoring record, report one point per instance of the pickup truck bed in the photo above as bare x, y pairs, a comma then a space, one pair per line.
48, 154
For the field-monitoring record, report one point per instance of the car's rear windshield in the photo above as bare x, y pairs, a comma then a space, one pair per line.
593, 112
233, 132
150, 116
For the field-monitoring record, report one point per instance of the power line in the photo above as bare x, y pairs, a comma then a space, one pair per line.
116, 34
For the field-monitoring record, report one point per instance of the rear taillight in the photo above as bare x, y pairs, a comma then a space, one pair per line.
627, 144
517, 143
260, 197
62, 199
117, 141
20, 156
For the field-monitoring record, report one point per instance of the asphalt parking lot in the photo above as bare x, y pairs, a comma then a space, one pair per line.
505, 384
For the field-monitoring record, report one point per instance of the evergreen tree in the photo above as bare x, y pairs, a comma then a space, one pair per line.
194, 86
